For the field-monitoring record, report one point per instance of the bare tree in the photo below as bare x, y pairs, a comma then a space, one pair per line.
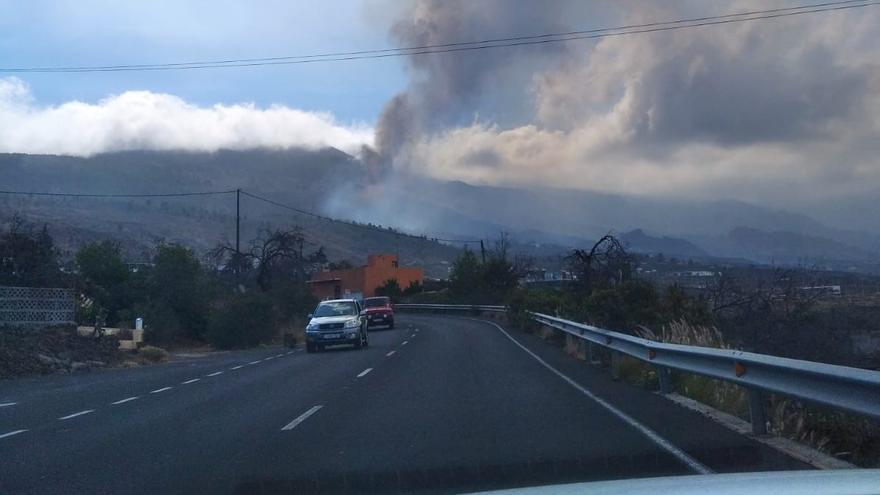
275, 254
606, 263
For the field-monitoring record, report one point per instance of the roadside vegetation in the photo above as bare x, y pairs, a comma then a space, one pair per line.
229, 299
770, 314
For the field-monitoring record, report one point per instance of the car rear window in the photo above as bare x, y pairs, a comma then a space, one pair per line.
376, 302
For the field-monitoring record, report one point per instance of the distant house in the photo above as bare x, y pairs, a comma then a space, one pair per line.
827, 290
364, 280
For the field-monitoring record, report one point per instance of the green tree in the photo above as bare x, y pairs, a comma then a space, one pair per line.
415, 287
104, 276
390, 288
466, 281
179, 293
28, 258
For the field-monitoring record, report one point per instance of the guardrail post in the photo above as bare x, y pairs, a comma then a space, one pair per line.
756, 412
590, 356
665, 379
615, 365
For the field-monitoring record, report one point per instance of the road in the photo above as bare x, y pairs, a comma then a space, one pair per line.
438, 404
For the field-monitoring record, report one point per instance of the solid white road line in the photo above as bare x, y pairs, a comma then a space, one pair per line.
404, 343
644, 430
302, 417
7, 404
215, 373
16, 432
240, 366
161, 390
87, 411
123, 401
255, 362
190, 381
390, 353
363, 373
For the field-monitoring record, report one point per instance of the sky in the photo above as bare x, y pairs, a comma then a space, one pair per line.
106, 32
771, 111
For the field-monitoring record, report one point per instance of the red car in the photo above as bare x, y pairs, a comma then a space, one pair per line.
379, 311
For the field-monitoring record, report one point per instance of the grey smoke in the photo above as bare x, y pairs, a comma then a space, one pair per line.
772, 111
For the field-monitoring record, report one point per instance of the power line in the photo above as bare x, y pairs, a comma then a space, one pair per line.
291, 208
89, 195
472, 45
230, 191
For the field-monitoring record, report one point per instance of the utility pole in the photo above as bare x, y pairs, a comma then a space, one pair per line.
483, 250
238, 222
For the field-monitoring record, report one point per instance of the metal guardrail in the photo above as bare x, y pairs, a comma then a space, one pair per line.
841, 387
454, 307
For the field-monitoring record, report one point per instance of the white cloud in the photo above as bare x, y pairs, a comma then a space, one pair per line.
158, 121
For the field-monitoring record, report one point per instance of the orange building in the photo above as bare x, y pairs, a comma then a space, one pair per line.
363, 281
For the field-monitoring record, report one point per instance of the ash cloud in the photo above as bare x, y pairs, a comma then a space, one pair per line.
766, 111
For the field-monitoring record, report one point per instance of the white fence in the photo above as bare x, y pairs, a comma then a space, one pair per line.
35, 306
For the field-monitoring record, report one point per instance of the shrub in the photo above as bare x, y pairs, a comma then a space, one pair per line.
243, 320
547, 301
161, 323
153, 354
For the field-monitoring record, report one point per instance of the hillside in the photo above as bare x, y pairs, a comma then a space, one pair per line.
548, 221
300, 178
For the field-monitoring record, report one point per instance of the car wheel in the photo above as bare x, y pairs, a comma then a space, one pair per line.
310, 347
366, 338
391, 325
360, 341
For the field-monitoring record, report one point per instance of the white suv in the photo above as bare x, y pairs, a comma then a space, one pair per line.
338, 321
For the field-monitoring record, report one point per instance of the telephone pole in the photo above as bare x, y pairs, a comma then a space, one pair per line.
238, 222
483, 250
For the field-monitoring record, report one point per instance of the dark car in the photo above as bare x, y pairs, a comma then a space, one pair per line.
379, 311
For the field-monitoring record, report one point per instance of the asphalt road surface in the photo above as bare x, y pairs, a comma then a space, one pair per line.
439, 404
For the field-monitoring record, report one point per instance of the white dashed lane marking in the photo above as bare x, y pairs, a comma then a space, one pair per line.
404, 343
364, 373
16, 432
81, 413
302, 417
190, 381
214, 373
255, 362
161, 390
123, 401
390, 353
7, 404
237, 367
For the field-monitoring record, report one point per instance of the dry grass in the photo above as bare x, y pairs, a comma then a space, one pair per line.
153, 354
841, 435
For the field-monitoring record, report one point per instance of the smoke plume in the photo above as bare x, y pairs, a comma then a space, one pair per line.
766, 111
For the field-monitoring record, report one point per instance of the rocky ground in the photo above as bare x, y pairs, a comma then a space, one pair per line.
40, 351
